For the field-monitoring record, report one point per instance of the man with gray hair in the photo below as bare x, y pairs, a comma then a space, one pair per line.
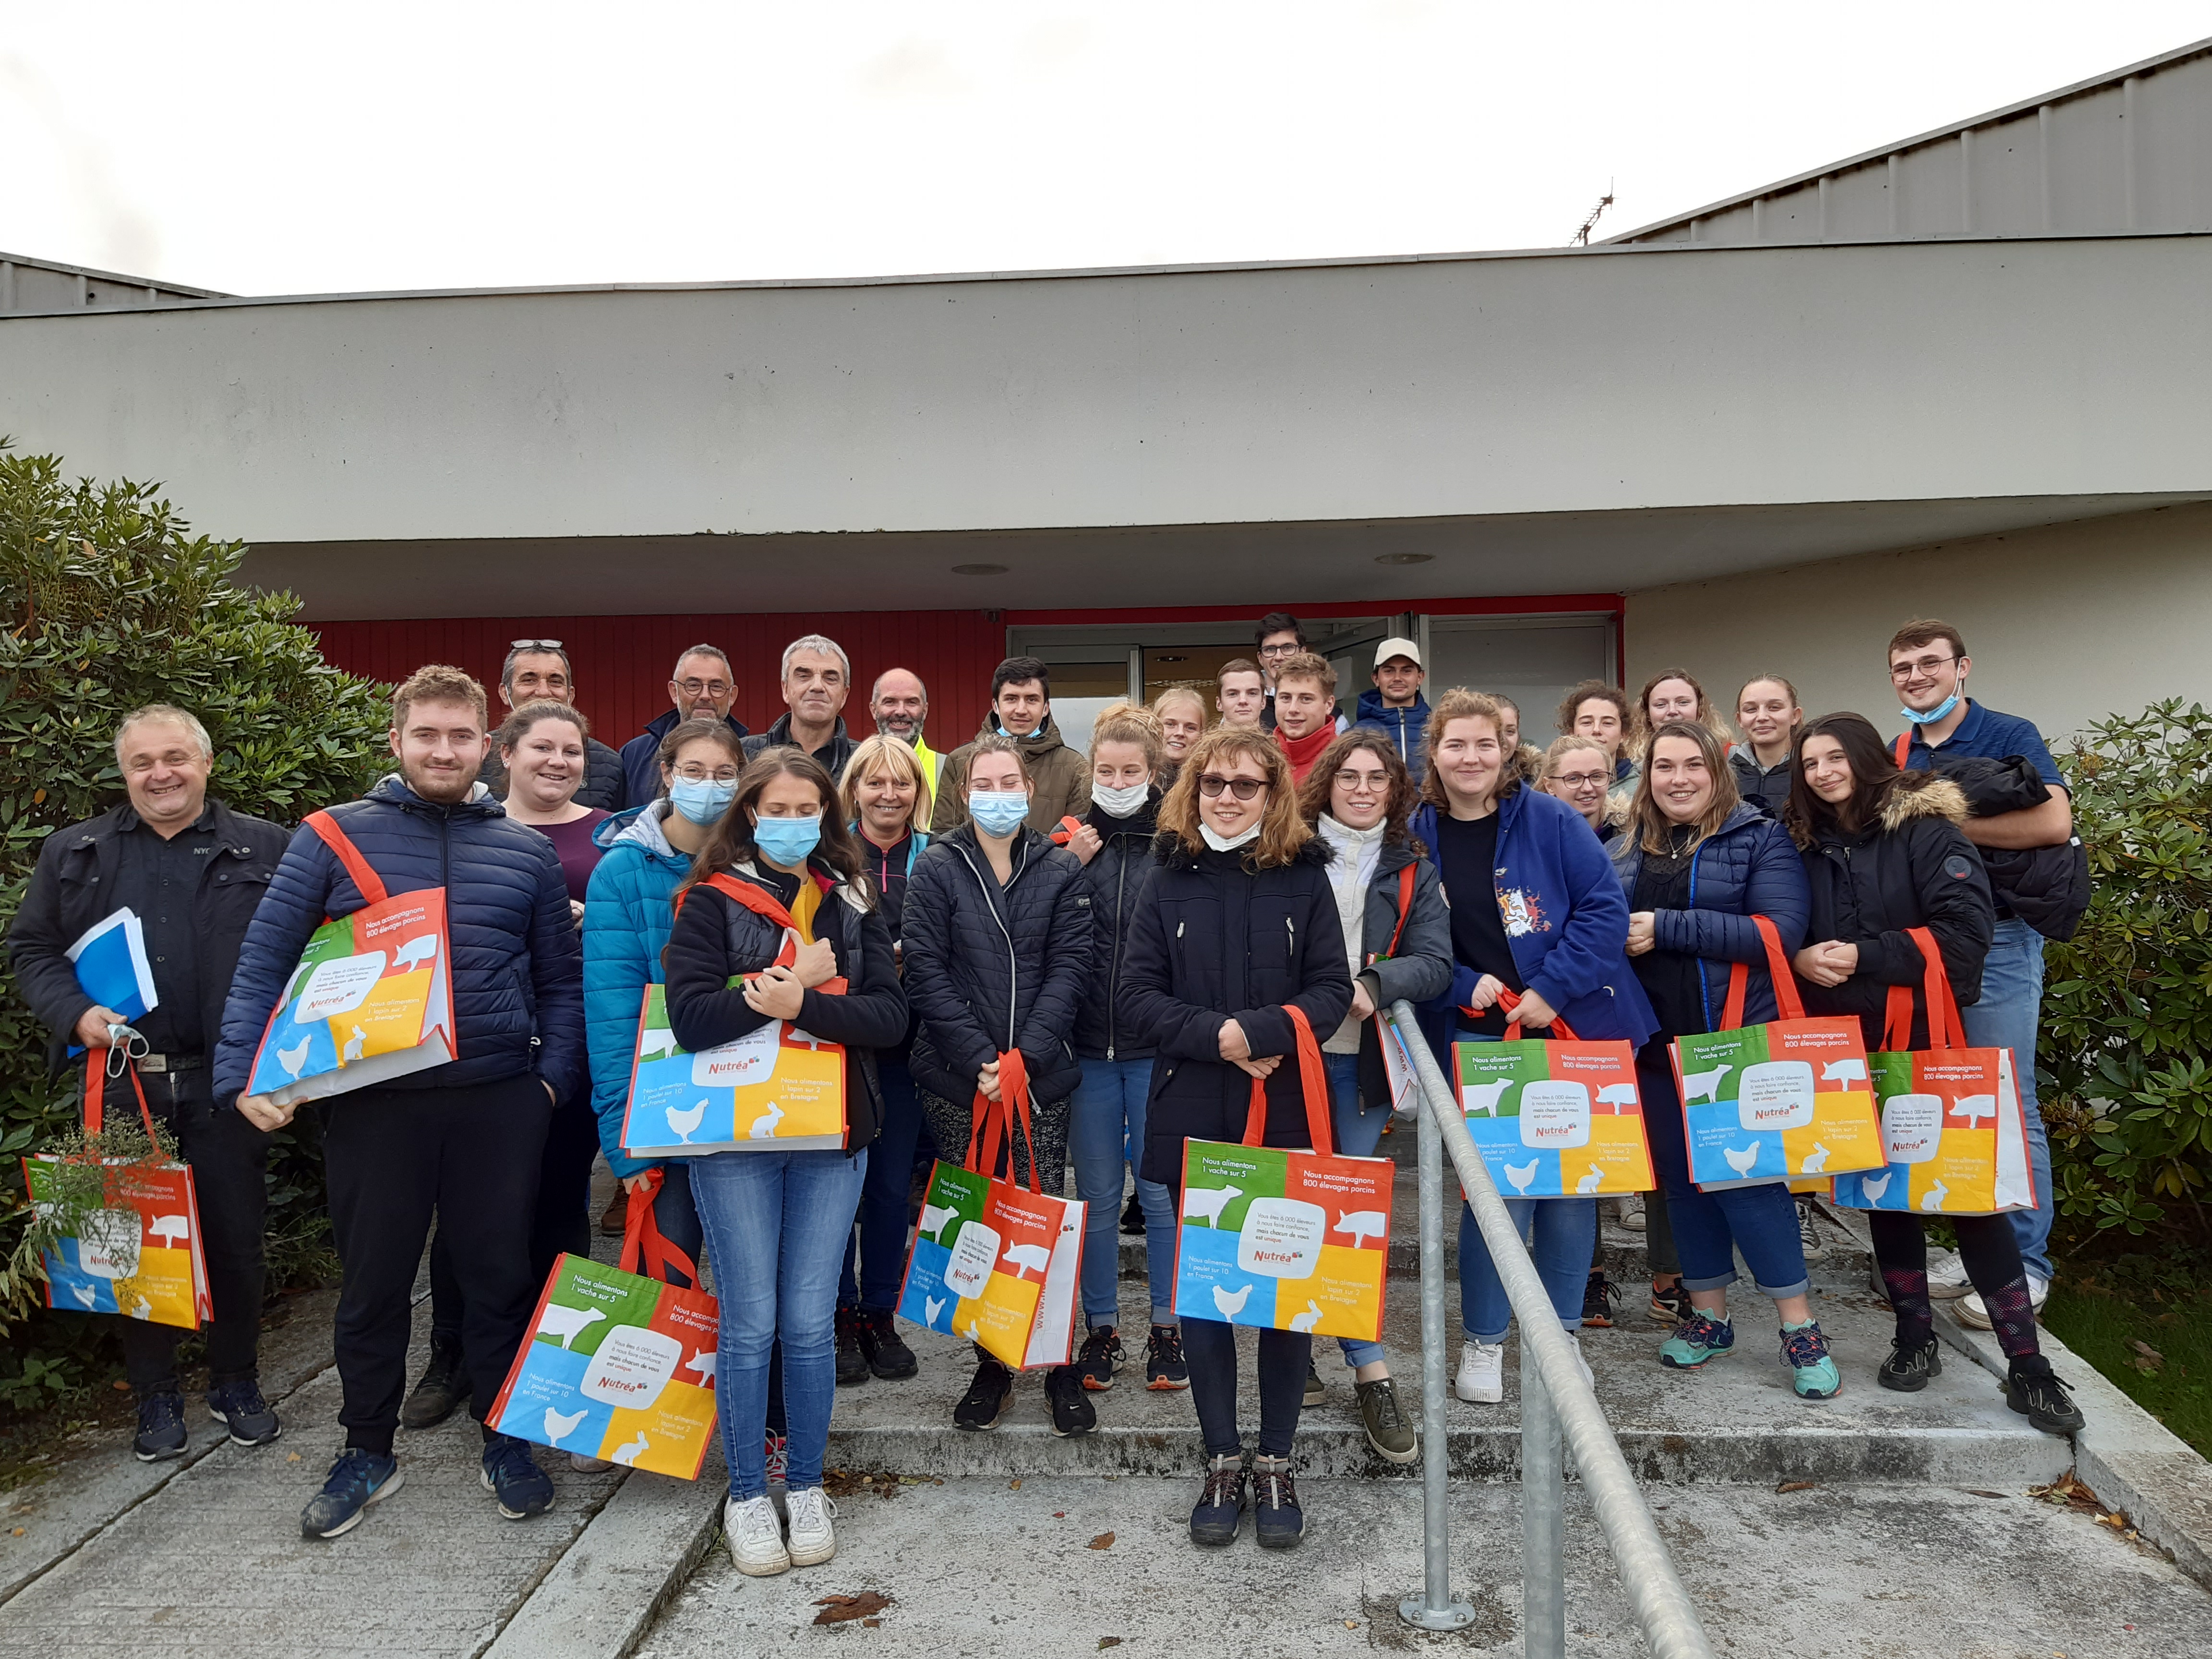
702, 687
817, 676
191, 871
538, 671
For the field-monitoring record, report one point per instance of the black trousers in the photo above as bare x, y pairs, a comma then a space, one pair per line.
229, 1157
393, 1157
561, 1221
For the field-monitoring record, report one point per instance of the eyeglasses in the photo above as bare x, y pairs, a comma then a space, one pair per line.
701, 774
534, 645
1375, 782
1210, 785
702, 688
1902, 671
1579, 779
1280, 650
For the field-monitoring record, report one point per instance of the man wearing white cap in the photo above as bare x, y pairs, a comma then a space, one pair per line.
1395, 706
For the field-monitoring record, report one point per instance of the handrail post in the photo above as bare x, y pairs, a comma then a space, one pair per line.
1434, 1608
1543, 1522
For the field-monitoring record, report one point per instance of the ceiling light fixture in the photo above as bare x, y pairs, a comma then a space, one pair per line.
978, 570
1403, 558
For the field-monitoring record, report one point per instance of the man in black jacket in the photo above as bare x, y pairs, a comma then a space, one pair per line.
703, 687
818, 677
191, 871
538, 671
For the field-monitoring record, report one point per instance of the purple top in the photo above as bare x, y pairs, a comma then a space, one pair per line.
572, 842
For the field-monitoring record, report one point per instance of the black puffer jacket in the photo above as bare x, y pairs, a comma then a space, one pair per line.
714, 939
1914, 868
1213, 941
1766, 791
833, 755
992, 968
1115, 880
2047, 887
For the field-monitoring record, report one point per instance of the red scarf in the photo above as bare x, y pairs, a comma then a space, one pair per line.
1303, 752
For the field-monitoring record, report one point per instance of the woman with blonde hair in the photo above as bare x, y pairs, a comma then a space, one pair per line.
1237, 928
1180, 711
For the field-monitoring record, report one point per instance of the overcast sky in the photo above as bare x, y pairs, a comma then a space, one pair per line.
290, 148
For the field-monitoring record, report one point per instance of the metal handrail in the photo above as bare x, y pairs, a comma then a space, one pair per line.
1554, 1400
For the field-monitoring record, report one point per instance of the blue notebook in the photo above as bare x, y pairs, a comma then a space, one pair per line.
112, 966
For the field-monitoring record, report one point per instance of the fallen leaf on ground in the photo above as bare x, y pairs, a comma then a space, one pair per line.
1105, 1642
872, 1624
836, 1609
1059, 1514
1014, 1484
1796, 1485
1976, 1492
1103, 1541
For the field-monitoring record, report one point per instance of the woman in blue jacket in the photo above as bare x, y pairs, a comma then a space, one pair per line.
1697, 863
1537, 921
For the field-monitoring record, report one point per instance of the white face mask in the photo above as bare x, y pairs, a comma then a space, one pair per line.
1120, 803
1221, 843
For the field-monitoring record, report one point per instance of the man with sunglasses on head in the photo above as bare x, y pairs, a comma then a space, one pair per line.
702, 687
538, 671
1928, 667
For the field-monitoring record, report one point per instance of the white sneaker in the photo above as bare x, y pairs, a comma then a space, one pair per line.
754, 1539
813, 1539
1632, 1213
1946, 1276
584, 1465
1975, 1313
1482, 1372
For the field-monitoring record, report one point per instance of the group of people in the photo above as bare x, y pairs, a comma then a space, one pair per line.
1112, 946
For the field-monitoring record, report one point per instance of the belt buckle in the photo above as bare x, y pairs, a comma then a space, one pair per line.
153, 1062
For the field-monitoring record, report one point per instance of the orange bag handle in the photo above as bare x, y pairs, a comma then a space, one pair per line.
95, 1080
370, 883
1509, 1000
747, 897
1903, 750
1945, 1028
1786, 1002
1313, 1083
1405, 908
641, 1237
992, 1122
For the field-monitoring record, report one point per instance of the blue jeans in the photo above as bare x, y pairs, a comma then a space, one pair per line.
1106, 1130
1357, 1132
1564, 1235
776, 1225
882, 1218
1710, 1227
2006, 1018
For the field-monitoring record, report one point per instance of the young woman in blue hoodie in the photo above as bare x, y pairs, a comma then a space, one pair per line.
1538, 927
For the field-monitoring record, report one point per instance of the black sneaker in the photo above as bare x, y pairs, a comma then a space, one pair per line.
357, 1479
511, 1475
1277, 1520
1066, 1392
441, 1390
161, 1427
852, 1364
1908, 1370
1164, 1365
1316, 1390
1099, 1357
986, 1398
1672, 1305
1133, 1217
239, 1406
882, 1346
1601, 1295
2041, 1397
1219, 1510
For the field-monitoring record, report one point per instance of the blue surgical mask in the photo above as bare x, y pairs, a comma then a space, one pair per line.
787, 841
1930, 716
702, 800
998, 813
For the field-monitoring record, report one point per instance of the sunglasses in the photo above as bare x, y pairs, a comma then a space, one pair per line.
534, 645
1243, 788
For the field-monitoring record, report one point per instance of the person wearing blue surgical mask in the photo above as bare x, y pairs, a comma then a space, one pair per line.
997, 929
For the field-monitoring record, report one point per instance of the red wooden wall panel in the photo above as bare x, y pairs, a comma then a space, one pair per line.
623, 663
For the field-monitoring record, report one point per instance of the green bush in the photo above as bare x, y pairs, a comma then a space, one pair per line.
2126, 1046
107, 601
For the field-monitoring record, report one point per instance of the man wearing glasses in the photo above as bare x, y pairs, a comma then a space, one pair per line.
1927, 665
1279, 636
538, 671
702, 686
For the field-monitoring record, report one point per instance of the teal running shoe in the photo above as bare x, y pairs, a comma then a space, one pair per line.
1697, 1340
1813, 1374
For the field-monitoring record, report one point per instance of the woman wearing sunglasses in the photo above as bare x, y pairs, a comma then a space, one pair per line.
1237, 926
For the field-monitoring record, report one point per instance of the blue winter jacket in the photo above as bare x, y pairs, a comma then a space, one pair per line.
517, 978
1748, 867
627, 911
1407, 728
1565, 918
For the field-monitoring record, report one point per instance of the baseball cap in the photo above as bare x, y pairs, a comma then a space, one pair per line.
1397, 648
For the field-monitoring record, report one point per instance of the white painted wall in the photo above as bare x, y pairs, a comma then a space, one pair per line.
2065, 623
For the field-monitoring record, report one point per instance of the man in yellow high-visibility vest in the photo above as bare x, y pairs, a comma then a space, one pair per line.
900, 707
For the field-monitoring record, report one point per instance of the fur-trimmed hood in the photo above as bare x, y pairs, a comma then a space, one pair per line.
1171, 849
1915, 795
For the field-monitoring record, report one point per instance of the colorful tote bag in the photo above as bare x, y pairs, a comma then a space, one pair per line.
1770, 1102
132, 1244
1285, 1239
617, 1365
1555, 1118
777, 1088
1952, 1123
993, 1260
370, 998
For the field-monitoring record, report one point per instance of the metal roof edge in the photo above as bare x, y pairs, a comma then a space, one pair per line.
37, 264
2094, 84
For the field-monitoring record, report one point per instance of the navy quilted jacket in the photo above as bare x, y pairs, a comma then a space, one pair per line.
518, 975
990, 969
1749, 867
1115, 879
